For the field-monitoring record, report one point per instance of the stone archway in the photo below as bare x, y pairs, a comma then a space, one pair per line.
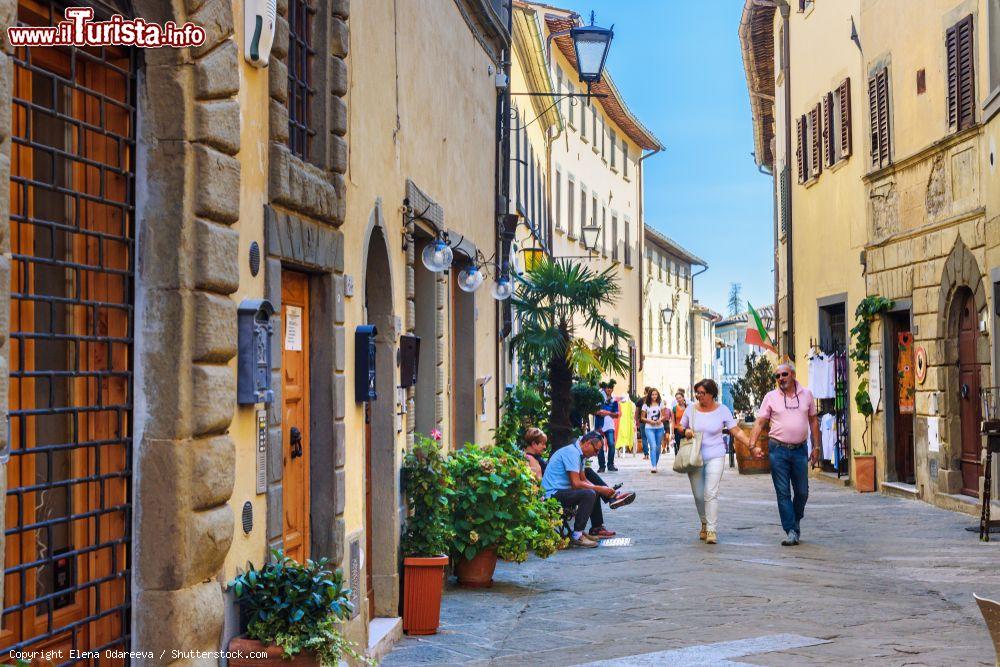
188, 197
382, 489
961, 284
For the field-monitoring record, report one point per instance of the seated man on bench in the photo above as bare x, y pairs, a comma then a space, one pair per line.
566, 480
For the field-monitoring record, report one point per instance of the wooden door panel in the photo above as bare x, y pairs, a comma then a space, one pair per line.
295, 413
968, 382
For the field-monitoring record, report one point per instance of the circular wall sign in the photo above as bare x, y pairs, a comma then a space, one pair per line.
920, 361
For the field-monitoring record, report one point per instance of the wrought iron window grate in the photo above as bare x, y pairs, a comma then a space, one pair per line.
300, 77
67, 565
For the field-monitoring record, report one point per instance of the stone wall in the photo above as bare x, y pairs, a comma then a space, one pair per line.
188, 196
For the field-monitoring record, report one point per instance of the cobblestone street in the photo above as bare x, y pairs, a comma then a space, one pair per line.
876, 580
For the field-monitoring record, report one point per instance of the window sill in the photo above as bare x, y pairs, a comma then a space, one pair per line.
595, 149
838, 165
811, 182
626, 179
584, 139
614, 169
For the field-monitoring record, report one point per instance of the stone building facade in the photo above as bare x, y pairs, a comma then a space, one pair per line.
919, 196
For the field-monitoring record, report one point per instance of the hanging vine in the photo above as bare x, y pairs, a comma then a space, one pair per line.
861, 339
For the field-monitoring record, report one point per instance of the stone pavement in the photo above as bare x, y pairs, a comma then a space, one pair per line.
877, 580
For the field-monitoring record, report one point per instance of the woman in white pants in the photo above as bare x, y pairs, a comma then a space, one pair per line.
708, 417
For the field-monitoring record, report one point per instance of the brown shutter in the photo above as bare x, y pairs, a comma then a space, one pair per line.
961, 75
884, 152
873, 115
845, 118
816, 137
951, 46
828, 151
799, 142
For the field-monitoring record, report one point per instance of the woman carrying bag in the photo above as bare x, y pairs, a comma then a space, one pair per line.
653, 429
702, 455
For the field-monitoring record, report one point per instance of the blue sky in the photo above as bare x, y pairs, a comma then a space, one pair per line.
679, 67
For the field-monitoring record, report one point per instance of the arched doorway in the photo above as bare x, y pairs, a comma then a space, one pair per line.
969, 374
382, 496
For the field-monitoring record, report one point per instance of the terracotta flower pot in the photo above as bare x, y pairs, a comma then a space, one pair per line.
745, 462
864, 473
250, 649
423, 580
478, 572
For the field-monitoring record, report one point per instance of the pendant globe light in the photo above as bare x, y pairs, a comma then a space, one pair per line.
503, 288
470, 278
437, 256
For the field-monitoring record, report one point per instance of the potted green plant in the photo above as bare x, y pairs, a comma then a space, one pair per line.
292, 611
498, 512
861, 337
748, 394
427, 537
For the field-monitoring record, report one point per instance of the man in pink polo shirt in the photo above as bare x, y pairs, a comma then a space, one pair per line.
791, 411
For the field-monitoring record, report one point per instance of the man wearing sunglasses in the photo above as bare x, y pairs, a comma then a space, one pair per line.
791, 412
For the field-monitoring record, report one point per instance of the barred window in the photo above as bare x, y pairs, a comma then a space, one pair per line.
301, 88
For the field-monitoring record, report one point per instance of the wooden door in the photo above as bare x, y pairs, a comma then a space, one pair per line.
369, 527
903, 397
968, 384
68, 479
295, 416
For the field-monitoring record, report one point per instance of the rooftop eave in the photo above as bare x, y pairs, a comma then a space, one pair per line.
756, 34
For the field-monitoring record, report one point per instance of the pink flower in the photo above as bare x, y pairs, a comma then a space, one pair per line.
435, 434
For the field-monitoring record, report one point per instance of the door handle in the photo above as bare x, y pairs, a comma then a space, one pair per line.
965, 390
295, 437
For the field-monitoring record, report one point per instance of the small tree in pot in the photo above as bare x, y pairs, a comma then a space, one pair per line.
292, 611
428, 535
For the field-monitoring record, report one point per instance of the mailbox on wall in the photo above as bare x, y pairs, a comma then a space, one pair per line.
364, 363
409, 359
253, 375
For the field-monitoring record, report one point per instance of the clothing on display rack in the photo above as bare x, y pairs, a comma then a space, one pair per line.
828, 434
822, 375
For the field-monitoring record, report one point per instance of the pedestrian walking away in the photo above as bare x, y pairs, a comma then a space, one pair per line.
604, 421
653, 429
676, 413
791, 412
709, 418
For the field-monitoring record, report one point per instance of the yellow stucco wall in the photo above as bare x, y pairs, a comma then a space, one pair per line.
414, 113
828, 214
668, 348
253, 100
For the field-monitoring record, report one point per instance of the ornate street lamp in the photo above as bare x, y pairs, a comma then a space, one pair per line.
667, 314
591, 44
591, 233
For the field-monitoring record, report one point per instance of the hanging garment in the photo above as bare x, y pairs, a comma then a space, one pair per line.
828, 434
822, 374
625, 433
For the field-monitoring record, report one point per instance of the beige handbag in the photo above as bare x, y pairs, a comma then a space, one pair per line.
688, 457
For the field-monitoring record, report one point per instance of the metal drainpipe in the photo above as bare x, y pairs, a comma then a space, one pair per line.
785, 10
640, 258
501, 204
691, 328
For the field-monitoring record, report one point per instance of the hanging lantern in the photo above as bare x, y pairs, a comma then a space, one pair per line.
437, 256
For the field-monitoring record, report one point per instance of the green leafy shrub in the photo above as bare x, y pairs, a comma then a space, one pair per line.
297, 607
587, 398
497, 504
427, 484
524, 406
757, 380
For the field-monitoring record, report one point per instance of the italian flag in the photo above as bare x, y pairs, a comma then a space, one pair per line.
757, 333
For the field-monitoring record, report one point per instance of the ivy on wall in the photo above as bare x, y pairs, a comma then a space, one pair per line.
861, 341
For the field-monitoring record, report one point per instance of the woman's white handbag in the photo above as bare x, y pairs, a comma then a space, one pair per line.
688, 458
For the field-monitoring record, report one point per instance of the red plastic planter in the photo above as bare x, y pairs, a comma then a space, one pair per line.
274, 657
423, 581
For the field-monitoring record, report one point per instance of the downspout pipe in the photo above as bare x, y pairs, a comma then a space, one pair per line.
785, 10
640, 246
502, 204
691, 328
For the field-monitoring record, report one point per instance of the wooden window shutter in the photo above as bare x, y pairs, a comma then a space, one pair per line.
829, 154
816, 137
845, 118
961, 78
799, 145
882, 88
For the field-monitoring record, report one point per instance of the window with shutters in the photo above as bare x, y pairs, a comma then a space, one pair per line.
604, 140
816, 140
614, 149
558, 199
570, 106
628, 242
583, 208
961, 75
625, 158
583, 122
605, 240
841, 128
570, 201
593, 124
801, 149
878, 110
559, 90
595, 220
614, 236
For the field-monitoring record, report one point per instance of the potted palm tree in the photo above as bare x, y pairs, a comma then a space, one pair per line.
559, 304
291, 611
427, 537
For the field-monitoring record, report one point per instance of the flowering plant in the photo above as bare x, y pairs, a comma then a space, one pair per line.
497, 504
435, 435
